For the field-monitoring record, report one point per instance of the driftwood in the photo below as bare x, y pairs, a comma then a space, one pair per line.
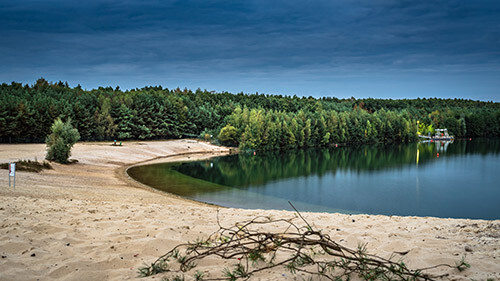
298, 249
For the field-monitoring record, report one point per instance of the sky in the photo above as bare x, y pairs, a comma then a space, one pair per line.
352, 48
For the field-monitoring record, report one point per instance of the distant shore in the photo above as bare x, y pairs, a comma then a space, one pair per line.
90, 221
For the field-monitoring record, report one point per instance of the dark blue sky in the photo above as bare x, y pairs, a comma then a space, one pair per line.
360, 48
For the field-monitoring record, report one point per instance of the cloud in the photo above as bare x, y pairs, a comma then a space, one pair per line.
191, 39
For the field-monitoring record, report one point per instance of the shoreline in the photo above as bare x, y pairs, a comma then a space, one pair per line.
114, 224
203, 156
122, 173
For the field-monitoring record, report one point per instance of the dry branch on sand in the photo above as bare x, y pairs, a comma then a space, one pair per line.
299, 249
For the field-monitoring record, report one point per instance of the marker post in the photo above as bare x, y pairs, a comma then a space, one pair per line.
12, 173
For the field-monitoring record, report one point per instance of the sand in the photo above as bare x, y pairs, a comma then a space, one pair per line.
90, 221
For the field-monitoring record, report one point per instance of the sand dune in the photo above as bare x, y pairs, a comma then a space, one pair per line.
89, 221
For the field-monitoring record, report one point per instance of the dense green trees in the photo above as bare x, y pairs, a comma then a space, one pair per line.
272, 129
253, 121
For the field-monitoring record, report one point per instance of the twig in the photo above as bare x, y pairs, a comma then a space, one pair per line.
298, 213
309, 252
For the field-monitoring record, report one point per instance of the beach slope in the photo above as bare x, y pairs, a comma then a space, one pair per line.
90, 221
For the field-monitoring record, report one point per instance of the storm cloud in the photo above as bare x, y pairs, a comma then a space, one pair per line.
361, 48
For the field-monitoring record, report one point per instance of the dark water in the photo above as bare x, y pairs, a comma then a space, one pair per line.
408, 180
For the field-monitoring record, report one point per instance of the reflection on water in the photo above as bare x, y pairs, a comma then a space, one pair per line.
427, 179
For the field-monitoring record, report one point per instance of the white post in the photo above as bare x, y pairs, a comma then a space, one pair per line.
12, 173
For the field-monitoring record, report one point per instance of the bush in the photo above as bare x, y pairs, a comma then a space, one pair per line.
60, 141
28, 166
229, 135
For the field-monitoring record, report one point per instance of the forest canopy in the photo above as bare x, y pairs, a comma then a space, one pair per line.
253, 121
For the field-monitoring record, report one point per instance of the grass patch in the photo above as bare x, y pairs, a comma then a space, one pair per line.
29, 166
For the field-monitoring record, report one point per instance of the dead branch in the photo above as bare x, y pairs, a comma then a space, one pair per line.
296, 248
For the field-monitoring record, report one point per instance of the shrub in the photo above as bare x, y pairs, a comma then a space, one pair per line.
229, 135
28, 166
59, 143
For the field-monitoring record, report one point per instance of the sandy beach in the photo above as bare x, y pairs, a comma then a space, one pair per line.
90, 221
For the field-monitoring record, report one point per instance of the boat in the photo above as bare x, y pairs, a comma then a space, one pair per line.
441, 135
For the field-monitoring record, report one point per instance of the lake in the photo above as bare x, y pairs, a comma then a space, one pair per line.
440, 179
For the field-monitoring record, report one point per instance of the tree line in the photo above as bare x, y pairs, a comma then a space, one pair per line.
252, 121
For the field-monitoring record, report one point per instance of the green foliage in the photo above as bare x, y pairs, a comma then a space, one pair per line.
300, 249
29, 166
198, 275
59, 143
424, 129
228, 136
289, 130
239, 271
462, 264
256, 121
106, 126
155, 268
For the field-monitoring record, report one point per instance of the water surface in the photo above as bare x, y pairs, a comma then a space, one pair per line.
457, 180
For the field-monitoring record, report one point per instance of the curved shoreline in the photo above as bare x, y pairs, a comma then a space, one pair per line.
122, 173
197, 184
89, 221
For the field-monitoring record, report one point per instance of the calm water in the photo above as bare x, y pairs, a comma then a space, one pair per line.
463, 182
